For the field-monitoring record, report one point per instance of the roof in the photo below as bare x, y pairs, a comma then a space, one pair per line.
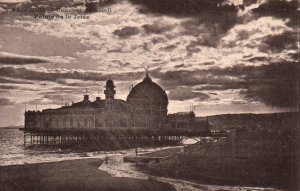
85, 105
146, 91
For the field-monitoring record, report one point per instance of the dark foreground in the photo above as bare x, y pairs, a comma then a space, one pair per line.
71, 175
249, 159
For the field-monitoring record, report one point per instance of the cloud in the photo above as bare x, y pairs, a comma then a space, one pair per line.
183, 8
249, 42
49, 75
126, 32
251, 34
258, 58
169, 47
157, 27
214, 76
44, 46
278, 43
219, 87
206, 20
274, 84
5, 102
186, 93
65, 76
15, 59
2, 10
208, 41
8, 87
58, 98
279, 8
13, 81
162, 36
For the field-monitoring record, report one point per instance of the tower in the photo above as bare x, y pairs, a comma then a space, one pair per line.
110, 89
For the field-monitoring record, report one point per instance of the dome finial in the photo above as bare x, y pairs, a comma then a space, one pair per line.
147, 71
147, 78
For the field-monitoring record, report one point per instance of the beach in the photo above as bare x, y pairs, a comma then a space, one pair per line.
96, 174
81, 174
118, 168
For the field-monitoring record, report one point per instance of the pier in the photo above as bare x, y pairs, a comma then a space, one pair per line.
127, 138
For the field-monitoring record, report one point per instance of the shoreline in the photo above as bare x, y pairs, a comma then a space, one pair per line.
53, 154
93, 171
118, 168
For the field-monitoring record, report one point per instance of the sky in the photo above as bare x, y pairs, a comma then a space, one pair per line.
220, 56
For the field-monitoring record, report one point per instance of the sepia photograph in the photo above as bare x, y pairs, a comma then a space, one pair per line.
149, 95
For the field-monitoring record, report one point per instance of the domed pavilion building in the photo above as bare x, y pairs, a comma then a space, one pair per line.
146, 107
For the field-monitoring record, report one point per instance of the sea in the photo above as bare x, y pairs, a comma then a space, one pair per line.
13, 152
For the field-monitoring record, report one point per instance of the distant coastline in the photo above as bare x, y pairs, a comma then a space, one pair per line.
12, 127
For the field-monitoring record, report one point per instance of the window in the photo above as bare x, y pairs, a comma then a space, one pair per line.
123, 123
90, 122
67, 123
71, 123
85, 122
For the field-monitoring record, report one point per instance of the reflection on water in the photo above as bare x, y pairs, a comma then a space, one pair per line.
12, 151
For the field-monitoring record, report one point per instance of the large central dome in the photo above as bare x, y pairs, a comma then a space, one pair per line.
149, 96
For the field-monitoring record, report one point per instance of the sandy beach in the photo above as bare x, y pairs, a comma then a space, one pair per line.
82, 174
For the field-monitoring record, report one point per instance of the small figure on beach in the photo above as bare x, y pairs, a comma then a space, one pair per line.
106, 159
136, 152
